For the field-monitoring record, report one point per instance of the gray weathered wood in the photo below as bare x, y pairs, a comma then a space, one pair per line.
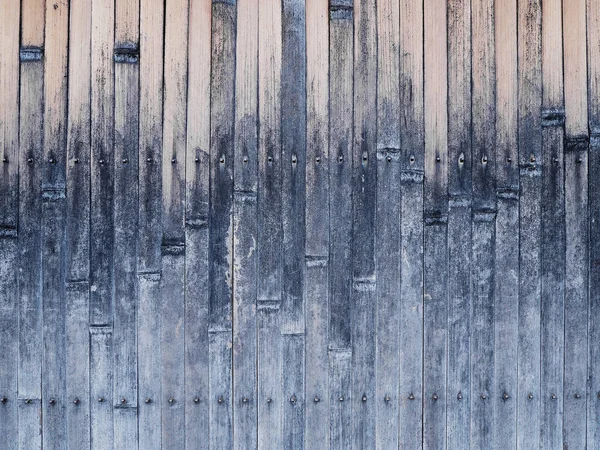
173, 218
78, 228
340, 380
530, 148
148, 350
149, 224
435, 216
270, 233
30, 255
316, 290
125, 252
593, 85
387, 226
270, 395
221, 223
553, 228
506, 257
245, 398
9, 347
364, 190
411, 285
196, 231
102, 164
100, 402
483, 174
293, 184
459, 225
53, 223
593, 412
576, 294
293, 390
576, 374
340, 222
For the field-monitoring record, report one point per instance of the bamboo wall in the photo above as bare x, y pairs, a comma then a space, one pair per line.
299, 224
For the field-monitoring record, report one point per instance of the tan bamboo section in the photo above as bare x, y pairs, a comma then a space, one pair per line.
266, 224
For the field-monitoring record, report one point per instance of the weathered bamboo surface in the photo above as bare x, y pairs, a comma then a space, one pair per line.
266, 224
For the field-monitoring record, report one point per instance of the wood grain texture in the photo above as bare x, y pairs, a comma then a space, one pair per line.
78, 225
459, 224
553, 228
316, 432
299, 224
530, 147
196, 226
31, 109
435, 216
245, 422
385, 158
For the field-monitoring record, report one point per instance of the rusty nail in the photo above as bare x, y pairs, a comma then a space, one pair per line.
317, 399
196, 400
293, 399
435, 397
411, 396
172, 400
